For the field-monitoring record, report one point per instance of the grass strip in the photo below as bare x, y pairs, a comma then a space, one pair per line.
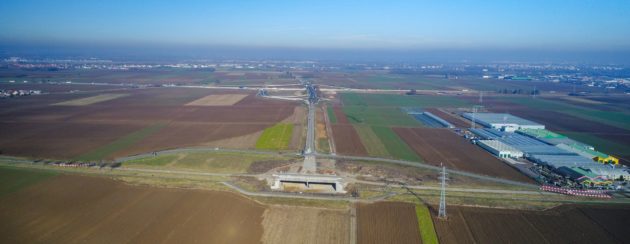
425, 224
331, 115
276, 137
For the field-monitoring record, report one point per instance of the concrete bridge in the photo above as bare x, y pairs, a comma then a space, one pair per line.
310, 182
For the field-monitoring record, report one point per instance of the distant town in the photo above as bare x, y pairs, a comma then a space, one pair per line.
613, 78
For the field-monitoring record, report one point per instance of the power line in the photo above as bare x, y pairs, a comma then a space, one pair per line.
442, 210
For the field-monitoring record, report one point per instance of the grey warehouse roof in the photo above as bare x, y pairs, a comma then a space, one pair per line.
500, 118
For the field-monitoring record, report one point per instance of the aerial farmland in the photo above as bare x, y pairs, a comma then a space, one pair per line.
361, 165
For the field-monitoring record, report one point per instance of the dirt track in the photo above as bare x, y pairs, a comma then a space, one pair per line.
71, 209
437, 146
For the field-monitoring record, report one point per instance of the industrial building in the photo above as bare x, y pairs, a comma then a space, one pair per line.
502, 121
525, 144
569, 144
500, 149
508, 136
583, 176
551, 137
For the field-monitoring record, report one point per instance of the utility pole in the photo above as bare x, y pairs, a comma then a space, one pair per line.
442, 210
480, 97
475, 109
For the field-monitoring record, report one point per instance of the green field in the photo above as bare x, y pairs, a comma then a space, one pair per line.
276, 137
380, 116
217, 162
600, 144
120, 143
433, 82
371, 141
331, 115
396, 100
395, 146
425, 224
391, 81
13, 179
384, 109
613, 118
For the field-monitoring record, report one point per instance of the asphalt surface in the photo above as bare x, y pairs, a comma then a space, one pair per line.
427, 166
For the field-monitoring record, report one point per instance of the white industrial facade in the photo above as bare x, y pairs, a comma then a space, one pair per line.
500, 149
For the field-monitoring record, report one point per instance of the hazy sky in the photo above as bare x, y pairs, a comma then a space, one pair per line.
423, 25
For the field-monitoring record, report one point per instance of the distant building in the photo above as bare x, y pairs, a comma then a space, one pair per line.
502, 121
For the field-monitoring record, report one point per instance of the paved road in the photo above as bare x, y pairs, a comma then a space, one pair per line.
454, 189
310, 162
17, 162
202, 149
310, 131
427, 166
371, 159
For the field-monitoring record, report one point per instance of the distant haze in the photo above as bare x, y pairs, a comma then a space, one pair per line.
581, 31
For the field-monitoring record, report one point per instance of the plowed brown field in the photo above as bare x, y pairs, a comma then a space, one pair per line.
565, 224
340, 115
78, 209
33, 127
437, 146
218, 100
387, 222
305, 225
347, 140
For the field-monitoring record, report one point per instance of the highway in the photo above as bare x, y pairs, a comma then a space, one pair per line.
309, 147
310, 162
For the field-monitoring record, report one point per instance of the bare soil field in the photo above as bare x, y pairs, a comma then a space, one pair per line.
305, 225
91, 100
565, 224
73, 209
178, 135
55, 88
32, 127
247, 141
340, 115
58, 139
451, 118
437, 146
347, 141
218, 100
387, 222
